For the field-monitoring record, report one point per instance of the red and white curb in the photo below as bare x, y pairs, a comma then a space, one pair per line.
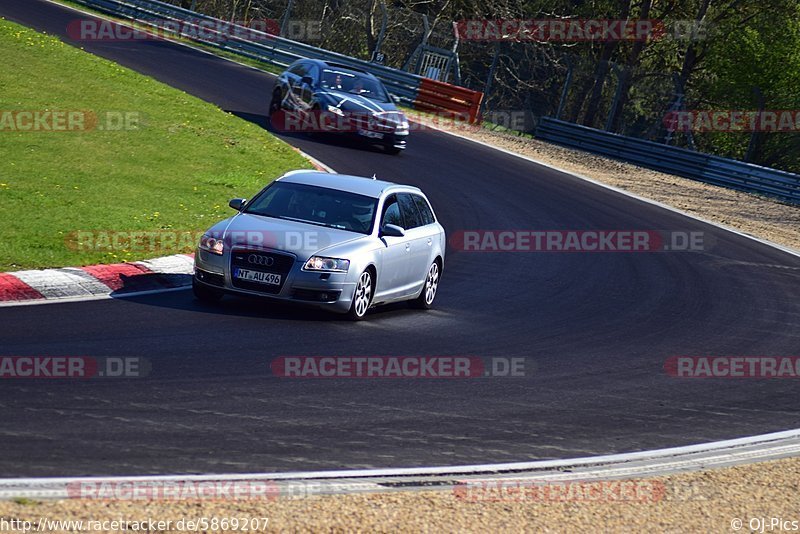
96, 281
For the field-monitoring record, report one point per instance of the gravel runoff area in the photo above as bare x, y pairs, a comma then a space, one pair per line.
721, 500
751, 214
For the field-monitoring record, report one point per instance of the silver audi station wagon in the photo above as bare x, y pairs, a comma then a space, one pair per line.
343, 243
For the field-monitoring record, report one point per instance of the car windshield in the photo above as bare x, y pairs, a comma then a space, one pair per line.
354, 83
315, 205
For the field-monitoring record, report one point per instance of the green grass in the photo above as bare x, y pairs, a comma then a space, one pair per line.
24, 501
176, 171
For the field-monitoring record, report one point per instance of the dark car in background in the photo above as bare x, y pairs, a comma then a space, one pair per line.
315, 96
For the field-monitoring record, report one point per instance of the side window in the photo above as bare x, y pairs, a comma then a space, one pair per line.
299, 70
425, 211
313, 71
409, 211
391, 213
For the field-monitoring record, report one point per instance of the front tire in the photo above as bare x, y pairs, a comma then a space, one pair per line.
362, 297
393, 150
429, 289
204, 293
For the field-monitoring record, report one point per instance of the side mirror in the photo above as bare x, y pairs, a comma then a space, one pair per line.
392, 230
237, 203
307, 80
395, 99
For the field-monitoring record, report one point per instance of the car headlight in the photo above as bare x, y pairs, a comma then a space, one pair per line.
212, 244
337, 111
403, 123
318, 263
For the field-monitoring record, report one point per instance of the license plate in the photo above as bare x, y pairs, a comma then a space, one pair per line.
373, 135
257, 276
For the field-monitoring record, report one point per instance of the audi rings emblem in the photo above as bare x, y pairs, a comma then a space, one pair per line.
266, 261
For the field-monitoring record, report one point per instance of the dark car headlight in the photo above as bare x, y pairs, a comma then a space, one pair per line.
403, 126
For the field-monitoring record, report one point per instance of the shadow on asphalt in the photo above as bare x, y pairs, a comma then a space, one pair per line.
149, 282
255, 307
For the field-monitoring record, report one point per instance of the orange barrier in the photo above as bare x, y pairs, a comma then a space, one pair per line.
447, 99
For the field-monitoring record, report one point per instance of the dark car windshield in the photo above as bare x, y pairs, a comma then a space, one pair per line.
355, 83
315, 205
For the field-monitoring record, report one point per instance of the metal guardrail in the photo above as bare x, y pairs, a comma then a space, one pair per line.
715, 170
269, 48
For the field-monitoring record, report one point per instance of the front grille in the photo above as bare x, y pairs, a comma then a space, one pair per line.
261, 261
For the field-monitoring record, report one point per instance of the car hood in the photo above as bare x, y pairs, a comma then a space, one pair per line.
303, 240
355, 103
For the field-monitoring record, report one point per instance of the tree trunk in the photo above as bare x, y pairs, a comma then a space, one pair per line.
626, 75
601, 72
690, 59
372, 37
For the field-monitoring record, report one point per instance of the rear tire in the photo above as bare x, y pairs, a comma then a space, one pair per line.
429, 288
204, 293
362, 297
